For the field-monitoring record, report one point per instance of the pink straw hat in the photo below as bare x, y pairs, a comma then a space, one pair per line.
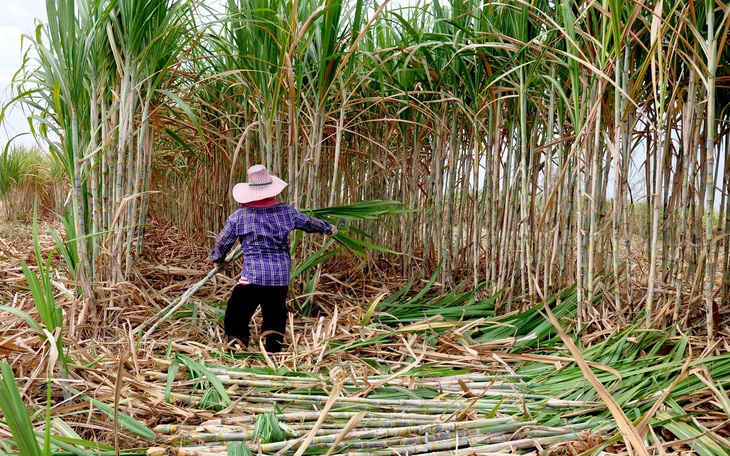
260, 185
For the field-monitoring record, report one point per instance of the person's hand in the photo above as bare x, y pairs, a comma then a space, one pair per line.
336, 228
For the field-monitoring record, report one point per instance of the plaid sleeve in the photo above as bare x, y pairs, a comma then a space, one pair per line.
310, 224
225, 240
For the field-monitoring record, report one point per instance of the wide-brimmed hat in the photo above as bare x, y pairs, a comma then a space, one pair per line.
260, 185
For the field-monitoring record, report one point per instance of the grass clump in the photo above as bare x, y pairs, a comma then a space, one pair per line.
27, 173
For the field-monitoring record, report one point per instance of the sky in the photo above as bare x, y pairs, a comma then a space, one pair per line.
16, 18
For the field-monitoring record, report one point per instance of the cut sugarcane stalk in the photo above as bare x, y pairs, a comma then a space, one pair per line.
171, 308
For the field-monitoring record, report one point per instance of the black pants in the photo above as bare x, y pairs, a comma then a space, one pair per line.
242, 305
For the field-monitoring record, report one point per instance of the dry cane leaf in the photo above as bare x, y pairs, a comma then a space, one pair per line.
330, 401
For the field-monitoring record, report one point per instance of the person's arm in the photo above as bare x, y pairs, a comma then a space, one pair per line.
313, 225
224, 241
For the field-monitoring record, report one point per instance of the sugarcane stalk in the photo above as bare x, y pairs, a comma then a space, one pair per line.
315, 145
437, 183
388, 435
562, 218
579, 248
383, 438
296, 425
495, 382
411, 418
393, 440
338, 146
507, 392
658, 79
689, 125
135, 188
163, 429
125, 134
494, 438
710, 129
213, 450
111, 121
505, 263
616, 206
471, 451
593, 207
726, 261
373, 405
492, 183
447, 254
171, 308
450, 441
625, 153
411, 190
149, 151
85, 271
524, 244
292, 384
365, 403
133, 166
549, 152
494, 448
328, 436
94, 190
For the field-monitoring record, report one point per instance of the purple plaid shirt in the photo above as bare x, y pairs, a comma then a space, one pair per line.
263, 235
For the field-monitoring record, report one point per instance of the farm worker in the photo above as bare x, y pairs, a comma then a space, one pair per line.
261, 224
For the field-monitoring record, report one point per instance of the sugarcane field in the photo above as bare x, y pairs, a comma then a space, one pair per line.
355, 227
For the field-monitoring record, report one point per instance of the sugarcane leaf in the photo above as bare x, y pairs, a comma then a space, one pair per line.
77, 443
171, 374
351, 245
238, 449
363, 210
318, 257
210, 399
47, 433
185, 107
210, 377
369, 313
16, 414
41, 288
363, 244
61, 427
492, 413
720, 394
182, 142
628, 430
126, 421
699, 441
25, 316
338, 347
66, 252
426, 287
39, 298
267, 429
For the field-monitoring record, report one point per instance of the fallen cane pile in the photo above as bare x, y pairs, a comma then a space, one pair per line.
467, 413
